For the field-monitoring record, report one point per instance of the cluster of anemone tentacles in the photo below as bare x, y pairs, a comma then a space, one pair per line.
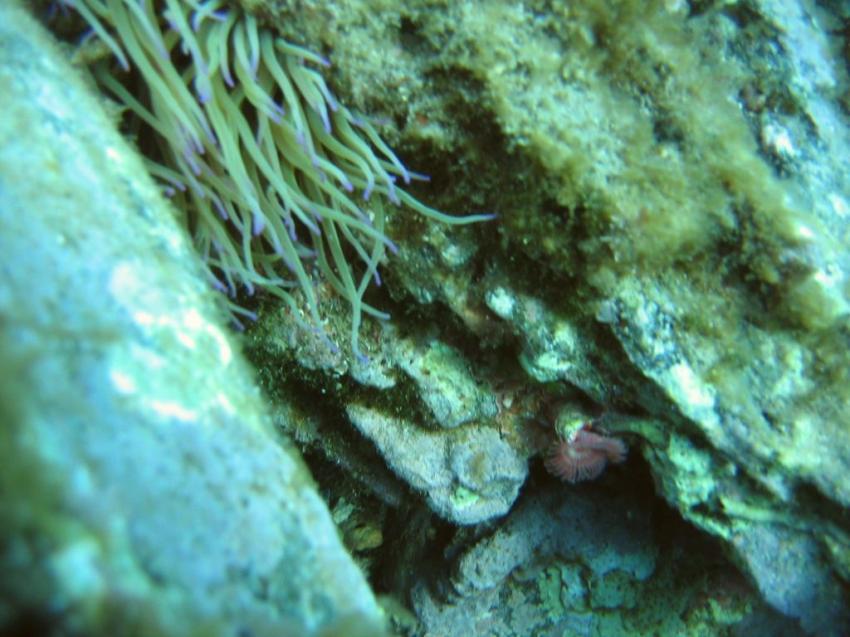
278, 182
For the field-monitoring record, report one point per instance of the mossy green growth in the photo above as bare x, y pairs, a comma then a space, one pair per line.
549, 589
561, 589
463, 497
630, 179
645, 158
614, 590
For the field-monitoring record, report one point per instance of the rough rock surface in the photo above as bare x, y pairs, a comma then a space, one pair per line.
583, 563
673, 207
670, 253
468, 476
143, 488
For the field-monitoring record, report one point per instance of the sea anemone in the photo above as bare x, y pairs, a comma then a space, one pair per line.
584, 455
278, 183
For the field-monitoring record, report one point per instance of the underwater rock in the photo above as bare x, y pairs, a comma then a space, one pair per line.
744, 485
586, 561
469, 475
682, 178
672, 192
671, 184
554, 349
791, 573
144, 490
444, 383
577, 562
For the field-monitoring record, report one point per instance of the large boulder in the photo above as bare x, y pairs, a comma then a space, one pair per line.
144, 490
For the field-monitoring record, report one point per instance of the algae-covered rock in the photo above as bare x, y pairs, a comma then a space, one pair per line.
143, 488
689, 196
670, 258
672, 192
585, 563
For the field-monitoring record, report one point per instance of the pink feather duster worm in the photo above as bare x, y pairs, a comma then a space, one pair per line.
584, 455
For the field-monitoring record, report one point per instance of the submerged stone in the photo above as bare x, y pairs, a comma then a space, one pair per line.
144, 490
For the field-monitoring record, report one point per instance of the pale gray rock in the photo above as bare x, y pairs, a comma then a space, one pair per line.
554, 347
143, 488
444, 382
468, 475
